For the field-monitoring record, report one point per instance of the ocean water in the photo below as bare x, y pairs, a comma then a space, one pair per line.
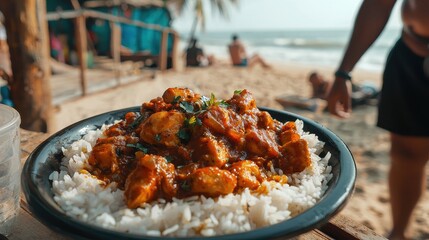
317, 47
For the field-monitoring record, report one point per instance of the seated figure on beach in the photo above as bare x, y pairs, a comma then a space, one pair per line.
239, 56
361, 94
195, 56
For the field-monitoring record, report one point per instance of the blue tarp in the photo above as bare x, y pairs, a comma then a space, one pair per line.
148, 39
138, 39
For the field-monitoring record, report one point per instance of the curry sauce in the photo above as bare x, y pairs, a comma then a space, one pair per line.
184, 144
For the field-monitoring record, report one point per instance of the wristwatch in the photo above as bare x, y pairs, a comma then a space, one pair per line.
343, 74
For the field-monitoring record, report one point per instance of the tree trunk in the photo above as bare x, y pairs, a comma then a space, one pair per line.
28, 40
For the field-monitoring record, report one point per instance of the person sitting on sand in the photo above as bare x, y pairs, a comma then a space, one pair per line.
361, 94
239, 57
195, 56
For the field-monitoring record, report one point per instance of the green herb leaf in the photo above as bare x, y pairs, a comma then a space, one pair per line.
189, 122
186, 186
176, 99
199, 122
169, 158
238, 92
205, 101
223, 104
183, 134
137, 146
158, 137
212, 99
187, 107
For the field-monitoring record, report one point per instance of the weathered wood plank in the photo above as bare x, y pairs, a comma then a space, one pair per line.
27, 227
82, 51
162, 62
341, 227
115, 49
175, 51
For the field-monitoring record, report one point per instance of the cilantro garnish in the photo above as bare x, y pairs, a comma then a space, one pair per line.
208, 102
187, 107
158, 137
223, 104
238, 92
176, 99
183, 134
169, 158
186, 186
137, 146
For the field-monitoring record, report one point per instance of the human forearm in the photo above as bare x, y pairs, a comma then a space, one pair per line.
370, 22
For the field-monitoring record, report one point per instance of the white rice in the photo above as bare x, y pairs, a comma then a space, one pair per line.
86, 198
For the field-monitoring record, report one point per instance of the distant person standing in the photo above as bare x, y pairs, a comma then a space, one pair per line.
404, 102
195, 56
239, 56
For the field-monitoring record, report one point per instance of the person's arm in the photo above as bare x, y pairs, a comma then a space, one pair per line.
370, 22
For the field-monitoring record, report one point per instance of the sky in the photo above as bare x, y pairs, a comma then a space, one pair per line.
260, 15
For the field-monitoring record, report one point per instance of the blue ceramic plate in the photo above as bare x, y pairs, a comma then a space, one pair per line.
46, 158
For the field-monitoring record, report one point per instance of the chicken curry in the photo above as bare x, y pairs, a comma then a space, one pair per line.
184, 144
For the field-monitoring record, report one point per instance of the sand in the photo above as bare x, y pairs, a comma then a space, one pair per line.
369, 204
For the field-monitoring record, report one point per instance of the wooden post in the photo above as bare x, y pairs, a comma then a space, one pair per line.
162, 61
81, 44
175, 51
28, 40
115, 49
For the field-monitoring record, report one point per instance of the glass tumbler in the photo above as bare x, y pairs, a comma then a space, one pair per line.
10, 167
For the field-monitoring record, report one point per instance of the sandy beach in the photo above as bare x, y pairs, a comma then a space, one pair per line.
369, 204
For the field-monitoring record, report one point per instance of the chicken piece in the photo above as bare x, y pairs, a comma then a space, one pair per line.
212, 181
288, 136
168, 180
183, 172
103, 156
155, 105
208, 151
130, 117
171, 95
224, 121
216, 119
161, 128
288, 133
248, 174
289, 126
265, 121
141, 186
262, 143
242, 102
151, 174
295, 157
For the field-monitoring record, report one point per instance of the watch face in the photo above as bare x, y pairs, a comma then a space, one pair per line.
426, 66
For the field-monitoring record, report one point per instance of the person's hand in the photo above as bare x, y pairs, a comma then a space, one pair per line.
339, 98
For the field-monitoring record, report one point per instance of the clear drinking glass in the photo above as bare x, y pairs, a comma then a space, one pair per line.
10, 167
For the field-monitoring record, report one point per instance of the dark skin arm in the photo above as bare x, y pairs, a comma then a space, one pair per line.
370, 22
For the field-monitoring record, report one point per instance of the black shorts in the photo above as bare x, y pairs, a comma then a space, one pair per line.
404, 100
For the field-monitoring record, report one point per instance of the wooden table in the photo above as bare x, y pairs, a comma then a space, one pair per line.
29, 227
